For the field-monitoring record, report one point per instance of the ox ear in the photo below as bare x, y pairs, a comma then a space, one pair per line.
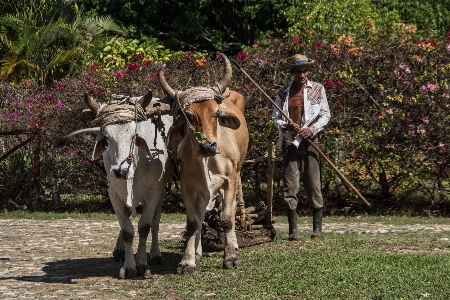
87, 115
176, 134
100, 146
229, 119
142, 144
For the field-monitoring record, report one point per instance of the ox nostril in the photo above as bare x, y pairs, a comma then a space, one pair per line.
214, 147
120, 173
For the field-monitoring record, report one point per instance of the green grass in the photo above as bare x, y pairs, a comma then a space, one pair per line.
407, 265
338, 267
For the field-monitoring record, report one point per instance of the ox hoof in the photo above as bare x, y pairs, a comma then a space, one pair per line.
144, 270
127, 273
119, 255
185, 270
232, 264
198, 257
155, 261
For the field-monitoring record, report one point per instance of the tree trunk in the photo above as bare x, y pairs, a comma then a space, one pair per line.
55, 191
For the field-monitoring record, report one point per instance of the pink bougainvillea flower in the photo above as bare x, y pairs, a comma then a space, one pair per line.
121, 74
422, 131
25, 82
246, 88
338, 83
58, 104
91, 84
412, 132
318, 44
378, 113
389, 111
425, 120
328, 84
440, 145
399, 77
357, 154
448, 47
242, 56
147, 63
387, 146
296, 40
138, 56
340, 100
132, 66
431, 86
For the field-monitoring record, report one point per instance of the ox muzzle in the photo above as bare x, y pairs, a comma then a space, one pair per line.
208, 149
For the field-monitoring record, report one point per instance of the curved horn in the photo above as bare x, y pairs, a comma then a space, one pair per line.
227, 72
91, 104
144, 101
63, 140
165, 86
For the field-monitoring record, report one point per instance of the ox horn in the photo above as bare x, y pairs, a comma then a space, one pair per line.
227, 72
165, 86
144, 101
90, 102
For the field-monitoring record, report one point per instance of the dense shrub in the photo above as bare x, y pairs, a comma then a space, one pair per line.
389, 106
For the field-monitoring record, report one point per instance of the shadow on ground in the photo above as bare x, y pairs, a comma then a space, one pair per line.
65, 270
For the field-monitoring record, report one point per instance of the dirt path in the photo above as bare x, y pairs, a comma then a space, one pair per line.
71, 259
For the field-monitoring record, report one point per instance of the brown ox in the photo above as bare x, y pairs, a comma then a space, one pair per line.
210, 149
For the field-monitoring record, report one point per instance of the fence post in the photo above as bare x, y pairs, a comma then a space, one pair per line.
270, 171
37, 174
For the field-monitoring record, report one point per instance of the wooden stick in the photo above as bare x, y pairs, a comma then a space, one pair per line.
309, 141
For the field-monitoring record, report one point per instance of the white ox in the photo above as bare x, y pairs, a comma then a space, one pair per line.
210, 148
137, 167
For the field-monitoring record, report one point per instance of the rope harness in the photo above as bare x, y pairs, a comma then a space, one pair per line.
198, 94
123, 110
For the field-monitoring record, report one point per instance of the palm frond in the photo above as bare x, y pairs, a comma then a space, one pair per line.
12, 22
63, 57
10, 63
98, 25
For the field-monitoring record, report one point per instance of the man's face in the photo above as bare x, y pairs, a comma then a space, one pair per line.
300, 74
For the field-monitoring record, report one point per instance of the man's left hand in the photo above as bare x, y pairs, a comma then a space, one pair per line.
305, 133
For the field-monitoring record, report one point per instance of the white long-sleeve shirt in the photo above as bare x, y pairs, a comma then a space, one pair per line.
315, 108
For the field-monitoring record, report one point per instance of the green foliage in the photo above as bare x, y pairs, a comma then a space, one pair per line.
119, 52
45, 40
431, 17
328, 20
198, 25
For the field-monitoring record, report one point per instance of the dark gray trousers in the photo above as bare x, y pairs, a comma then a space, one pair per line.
302, 163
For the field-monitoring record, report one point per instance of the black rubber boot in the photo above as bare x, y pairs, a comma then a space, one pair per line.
317, 223
292, 220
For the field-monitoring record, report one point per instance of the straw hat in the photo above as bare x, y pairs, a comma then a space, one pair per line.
299, 60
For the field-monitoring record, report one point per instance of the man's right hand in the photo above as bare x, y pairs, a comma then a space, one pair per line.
294, 127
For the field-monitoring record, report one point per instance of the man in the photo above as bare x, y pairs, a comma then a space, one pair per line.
305, 102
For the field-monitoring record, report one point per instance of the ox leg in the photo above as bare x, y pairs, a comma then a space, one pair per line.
155, 257
148, 218
128, 269
193, 226
227, 218
119, 250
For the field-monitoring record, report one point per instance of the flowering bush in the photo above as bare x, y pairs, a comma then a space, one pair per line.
388, 131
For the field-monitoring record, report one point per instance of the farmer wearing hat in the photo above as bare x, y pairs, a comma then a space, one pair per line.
305, 102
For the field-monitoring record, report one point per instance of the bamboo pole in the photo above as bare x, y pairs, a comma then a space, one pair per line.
270, 171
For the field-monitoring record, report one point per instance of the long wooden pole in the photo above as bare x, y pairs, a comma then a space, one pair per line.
309, 141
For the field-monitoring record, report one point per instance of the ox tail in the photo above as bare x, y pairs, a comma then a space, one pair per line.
63, 140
